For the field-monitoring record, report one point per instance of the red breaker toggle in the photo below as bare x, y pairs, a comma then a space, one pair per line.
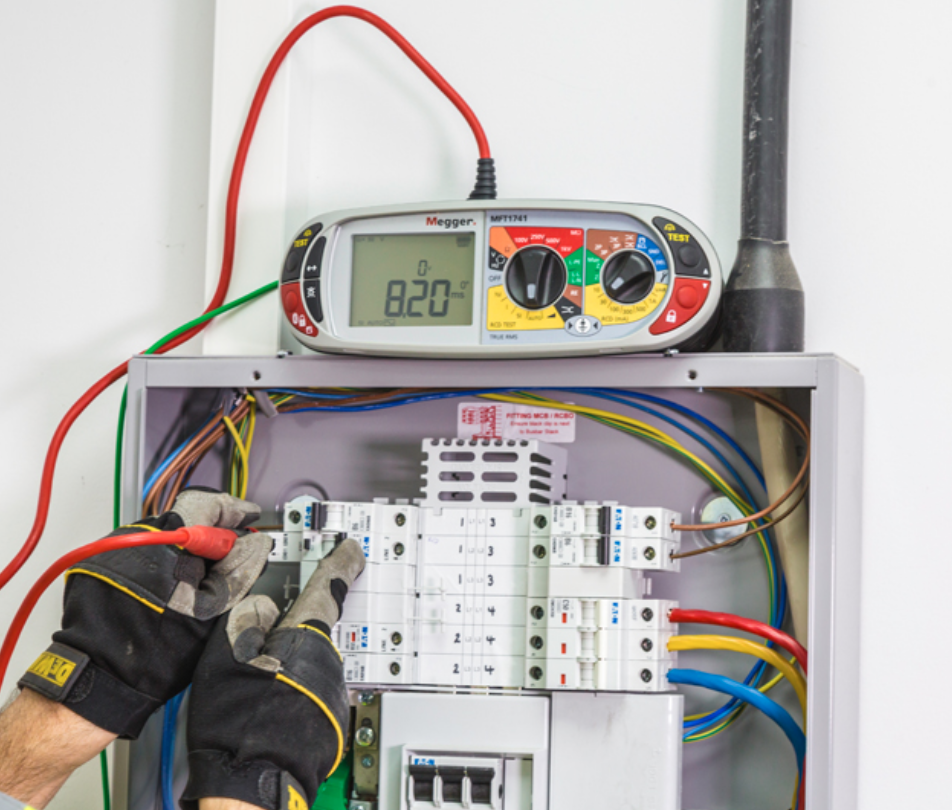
688, 298
294, 307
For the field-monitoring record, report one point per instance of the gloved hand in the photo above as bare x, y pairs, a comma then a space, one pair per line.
136, 621
268, 714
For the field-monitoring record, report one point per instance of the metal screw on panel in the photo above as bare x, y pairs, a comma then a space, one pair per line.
394, 668
647, 614
540, 521
365, 737
294, 516
537, 613
397, 639
646, 675
535, 673
367, 761
399, 518
650, 553
539, 551
398, 549
366, 698
646, 644
650, 522
536, 642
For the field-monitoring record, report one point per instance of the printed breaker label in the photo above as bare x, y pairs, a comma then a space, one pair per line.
506, 421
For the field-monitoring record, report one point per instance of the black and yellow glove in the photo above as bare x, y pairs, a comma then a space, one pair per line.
268, 714
135, 621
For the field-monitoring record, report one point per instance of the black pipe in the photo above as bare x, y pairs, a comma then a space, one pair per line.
763, 299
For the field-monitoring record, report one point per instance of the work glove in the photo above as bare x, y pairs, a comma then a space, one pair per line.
268, 713
136, 620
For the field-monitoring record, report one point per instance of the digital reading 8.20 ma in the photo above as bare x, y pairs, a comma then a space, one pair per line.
413, 280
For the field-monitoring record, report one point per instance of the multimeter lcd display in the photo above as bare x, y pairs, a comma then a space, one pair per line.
413, 280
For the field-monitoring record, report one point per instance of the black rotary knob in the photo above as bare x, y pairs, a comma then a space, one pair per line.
535, 277
628, 276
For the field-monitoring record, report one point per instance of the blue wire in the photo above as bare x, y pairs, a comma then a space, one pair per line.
772, 709
610, 395
167, 758
779, 606
702, 420
164, 465
309, 394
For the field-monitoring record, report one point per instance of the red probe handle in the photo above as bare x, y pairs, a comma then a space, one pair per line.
209, 542
204, 541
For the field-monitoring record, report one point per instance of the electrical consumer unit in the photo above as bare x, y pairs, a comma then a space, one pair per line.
517, 638
525, 278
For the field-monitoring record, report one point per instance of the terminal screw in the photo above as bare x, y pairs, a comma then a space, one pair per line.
397, 639
536, 642
540, 521
539, 551
365, 737
650, 522
646, 644
394, 668
646, 675
294, 516
367, 761
537, 612
366, 698
398, 549
647, 614
650, 553
535, 673
399, 518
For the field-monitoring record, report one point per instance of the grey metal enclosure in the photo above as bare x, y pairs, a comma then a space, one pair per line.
361, 456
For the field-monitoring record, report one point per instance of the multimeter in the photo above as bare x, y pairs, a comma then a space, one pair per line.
523, 278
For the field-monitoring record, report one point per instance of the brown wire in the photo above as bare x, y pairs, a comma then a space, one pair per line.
734, 540
187, 463
800, 427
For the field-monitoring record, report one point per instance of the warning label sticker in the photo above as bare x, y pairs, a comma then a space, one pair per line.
503, 420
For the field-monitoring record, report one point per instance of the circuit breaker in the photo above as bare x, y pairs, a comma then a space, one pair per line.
553, 566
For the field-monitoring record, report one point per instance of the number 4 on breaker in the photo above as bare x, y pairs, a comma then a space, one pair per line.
508, 421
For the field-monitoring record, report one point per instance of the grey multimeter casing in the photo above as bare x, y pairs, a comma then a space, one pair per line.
513, 278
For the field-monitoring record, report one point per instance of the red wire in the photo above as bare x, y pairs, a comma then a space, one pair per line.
778, 637
201, 540
228, 251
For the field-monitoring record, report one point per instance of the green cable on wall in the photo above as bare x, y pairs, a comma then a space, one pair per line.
117, 477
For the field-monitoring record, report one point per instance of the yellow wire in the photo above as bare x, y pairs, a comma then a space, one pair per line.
642, 427
241, 452
251, 426
544, 401
743, 645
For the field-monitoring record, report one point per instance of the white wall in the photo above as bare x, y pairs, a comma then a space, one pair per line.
104, 161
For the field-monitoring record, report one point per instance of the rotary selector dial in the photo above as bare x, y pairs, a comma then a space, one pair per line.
535, 277
628, 276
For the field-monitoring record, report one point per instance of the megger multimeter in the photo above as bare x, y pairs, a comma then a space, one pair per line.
519, 278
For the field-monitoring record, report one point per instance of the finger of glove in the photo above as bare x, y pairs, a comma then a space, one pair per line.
227, 581
200, 507
323, 597
248, 626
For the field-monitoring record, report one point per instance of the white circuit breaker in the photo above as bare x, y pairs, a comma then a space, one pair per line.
513, 591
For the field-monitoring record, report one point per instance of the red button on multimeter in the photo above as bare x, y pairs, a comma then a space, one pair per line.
294, 307
689, 295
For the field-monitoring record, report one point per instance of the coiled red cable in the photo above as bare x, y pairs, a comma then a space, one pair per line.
228, 251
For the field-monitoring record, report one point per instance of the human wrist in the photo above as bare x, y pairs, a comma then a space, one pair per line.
41, 744
216, 803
